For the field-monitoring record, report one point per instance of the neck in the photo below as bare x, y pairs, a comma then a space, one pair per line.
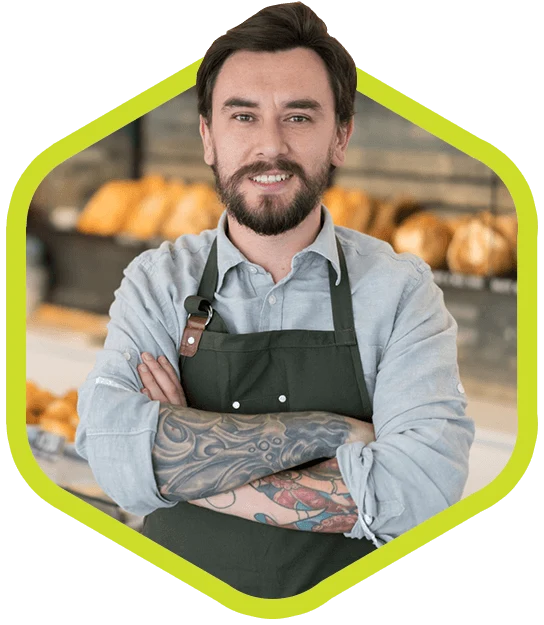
275, 253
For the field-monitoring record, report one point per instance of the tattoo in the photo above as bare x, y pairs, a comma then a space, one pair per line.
325, 506
311, 500
199, 454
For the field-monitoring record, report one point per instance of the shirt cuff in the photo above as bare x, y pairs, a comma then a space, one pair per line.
354, 462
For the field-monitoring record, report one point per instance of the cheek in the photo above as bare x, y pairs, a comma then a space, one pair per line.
231, 155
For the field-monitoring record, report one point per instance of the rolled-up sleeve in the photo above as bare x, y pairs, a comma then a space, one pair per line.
418, 464
118, 423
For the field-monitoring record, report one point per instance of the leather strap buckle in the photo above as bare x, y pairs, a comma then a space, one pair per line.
193, 333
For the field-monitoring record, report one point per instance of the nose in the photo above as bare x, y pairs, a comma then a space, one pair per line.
270, 141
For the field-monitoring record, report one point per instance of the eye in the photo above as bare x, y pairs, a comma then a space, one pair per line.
299, 119
243, 117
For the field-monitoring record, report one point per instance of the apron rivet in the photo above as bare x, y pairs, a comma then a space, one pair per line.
191, 340
236, 405
282, 398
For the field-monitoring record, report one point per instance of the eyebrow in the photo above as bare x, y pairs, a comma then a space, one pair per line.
302, 103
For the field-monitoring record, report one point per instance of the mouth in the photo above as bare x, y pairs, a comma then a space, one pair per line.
271, 182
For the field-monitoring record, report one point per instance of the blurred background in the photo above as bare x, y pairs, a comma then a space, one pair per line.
148, 182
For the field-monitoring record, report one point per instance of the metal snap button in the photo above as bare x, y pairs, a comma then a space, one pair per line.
282, 398
191, 340
236, 405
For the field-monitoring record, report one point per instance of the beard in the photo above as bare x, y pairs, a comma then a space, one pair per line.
273, 216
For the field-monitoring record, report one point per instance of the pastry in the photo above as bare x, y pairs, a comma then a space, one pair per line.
59, 409
37, 399
507, 225
336, 202
152, 183
59, 427
144, 222
389, 214
453, 223
478, 248
110, 207
361, 209
198, 209
424, 235
383, 224
71, 397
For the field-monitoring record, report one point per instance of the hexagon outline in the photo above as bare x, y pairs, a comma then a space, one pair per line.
141, 104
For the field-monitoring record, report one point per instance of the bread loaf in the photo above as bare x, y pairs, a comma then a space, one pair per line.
110, 207
198, 209
424, 235
59, 427
389, 214
383, 224
335, 201
349, 208
478, 248
51, 413
507, 225
454, 223
150, 214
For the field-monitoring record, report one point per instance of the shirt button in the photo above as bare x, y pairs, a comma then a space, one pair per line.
126, 355
460, 388
253, 269
368, 519
236, 405
282, 398
272, 300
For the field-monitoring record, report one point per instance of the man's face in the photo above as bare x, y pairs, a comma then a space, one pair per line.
273, 137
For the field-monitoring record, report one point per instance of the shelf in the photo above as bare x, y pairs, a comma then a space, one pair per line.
502, 285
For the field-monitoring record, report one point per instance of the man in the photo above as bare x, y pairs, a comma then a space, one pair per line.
279, 396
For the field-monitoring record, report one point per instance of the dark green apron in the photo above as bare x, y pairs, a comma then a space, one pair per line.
255, 373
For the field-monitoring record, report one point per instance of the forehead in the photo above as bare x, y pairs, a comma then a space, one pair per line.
283, 75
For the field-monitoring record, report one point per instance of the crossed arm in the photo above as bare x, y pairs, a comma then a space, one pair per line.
243, 465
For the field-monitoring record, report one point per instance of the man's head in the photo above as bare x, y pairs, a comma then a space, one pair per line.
276, 97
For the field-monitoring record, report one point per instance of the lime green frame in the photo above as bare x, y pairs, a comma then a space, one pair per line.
458, 515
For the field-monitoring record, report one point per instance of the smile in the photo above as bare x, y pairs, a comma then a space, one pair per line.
271, 179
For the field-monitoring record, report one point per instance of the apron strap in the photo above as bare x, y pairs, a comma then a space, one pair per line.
210, 276
201, 303
342, 312
342, 309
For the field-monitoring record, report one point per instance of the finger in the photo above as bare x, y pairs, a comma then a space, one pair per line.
144, 391
162, 379
169, 369
166, 365
149, 382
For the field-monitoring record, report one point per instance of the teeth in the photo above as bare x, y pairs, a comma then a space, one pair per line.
271, 179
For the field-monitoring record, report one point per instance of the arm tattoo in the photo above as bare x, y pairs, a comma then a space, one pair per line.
199, 454
311, 500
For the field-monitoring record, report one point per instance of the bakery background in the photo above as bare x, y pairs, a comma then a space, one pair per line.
148, 182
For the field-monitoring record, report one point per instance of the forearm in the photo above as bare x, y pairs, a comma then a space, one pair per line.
314, 499
200, 454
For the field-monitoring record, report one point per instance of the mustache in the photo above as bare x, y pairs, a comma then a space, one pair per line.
261, 167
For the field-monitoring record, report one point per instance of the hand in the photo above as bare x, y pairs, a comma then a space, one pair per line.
361, 431
160, 381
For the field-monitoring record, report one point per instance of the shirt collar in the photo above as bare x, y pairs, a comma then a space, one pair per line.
228, 255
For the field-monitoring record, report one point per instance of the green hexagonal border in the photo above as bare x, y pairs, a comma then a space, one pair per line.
190, 574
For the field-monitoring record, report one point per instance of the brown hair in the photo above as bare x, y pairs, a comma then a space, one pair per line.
282, 27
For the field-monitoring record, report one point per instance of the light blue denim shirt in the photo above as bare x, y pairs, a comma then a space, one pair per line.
407, 340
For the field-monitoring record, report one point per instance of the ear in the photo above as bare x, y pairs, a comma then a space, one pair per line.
205, 133
343, 135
